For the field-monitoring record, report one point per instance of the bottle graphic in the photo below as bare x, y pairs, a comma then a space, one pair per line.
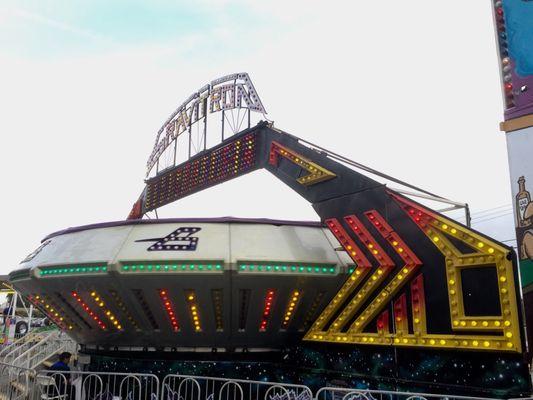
523, 198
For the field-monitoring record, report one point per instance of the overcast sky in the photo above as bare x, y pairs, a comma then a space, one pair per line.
410, 88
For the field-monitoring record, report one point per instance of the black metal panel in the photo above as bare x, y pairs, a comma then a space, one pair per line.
347, 181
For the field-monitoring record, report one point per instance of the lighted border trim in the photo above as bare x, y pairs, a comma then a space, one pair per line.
46, 272
274, 267
173, 267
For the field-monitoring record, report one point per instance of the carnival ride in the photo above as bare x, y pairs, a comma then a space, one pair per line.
390, 285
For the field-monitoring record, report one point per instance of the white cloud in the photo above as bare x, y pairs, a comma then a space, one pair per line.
393, 85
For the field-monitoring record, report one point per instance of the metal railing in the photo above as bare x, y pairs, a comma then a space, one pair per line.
186, 387
21, 356
97, 386
335, 393
18, 383
31, 351
21, 345
46, 350
6, 347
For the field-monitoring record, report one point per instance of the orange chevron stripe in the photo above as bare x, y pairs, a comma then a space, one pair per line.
363, 267
412, 262
393, 238
383, 270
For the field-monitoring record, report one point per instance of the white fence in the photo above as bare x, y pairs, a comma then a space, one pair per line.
335, 393
17, 383
185, 387
98, 386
